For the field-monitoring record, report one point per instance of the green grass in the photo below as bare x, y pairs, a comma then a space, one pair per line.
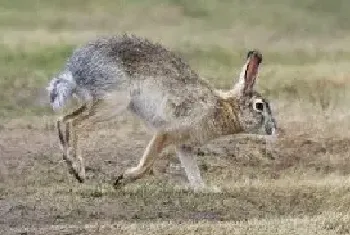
212, 35
25, 72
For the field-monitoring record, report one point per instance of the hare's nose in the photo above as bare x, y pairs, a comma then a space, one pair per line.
270, 127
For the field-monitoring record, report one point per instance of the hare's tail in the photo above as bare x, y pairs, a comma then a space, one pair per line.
61, 90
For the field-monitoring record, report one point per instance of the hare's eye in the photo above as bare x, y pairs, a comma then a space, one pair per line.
259, 106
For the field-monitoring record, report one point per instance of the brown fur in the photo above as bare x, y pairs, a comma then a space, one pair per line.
161, 89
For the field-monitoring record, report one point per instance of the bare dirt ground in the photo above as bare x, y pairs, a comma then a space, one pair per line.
299, 186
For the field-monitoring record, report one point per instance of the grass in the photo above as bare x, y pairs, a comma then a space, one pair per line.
301, 187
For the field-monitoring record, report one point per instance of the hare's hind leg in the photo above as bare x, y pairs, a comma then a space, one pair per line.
152, 151
66, 127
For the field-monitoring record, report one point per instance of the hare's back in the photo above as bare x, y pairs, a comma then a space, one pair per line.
110, 60
163, 87
165, 90
140, 58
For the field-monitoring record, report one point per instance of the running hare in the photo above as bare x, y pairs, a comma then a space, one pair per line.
127, 72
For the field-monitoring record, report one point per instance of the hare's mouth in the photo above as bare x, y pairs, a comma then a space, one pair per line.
270, 126
271, 131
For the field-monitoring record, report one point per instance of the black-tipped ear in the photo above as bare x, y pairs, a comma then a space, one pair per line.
254, 58
255, 53
248, 74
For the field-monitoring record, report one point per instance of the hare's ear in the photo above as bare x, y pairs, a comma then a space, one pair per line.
248, 73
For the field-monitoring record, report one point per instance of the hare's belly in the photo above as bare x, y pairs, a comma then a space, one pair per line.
164, 112
161, 106
151, 108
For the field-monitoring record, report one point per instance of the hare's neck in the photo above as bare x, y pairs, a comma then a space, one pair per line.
227, 116
226, 94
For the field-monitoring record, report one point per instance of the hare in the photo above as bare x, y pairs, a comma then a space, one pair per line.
119, 72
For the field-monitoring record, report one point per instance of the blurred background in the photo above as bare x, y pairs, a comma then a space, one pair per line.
305, 42
301, 187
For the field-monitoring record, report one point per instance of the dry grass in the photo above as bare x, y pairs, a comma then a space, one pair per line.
313, 225
300, 186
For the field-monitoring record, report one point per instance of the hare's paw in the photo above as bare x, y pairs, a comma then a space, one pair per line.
122, 180
78, 174
81, 179
119, 182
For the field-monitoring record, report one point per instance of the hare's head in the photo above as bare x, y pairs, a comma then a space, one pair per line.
255, 114
255, 111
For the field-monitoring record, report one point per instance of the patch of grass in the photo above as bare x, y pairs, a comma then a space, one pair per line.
46, 59
299, 187
196, 8
303, 189
24, 75
338, 222
265, 201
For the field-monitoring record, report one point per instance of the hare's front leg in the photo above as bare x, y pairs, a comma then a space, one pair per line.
188, 161
66, 127
152, 151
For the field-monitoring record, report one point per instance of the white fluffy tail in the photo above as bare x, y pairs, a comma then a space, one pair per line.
61, 90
